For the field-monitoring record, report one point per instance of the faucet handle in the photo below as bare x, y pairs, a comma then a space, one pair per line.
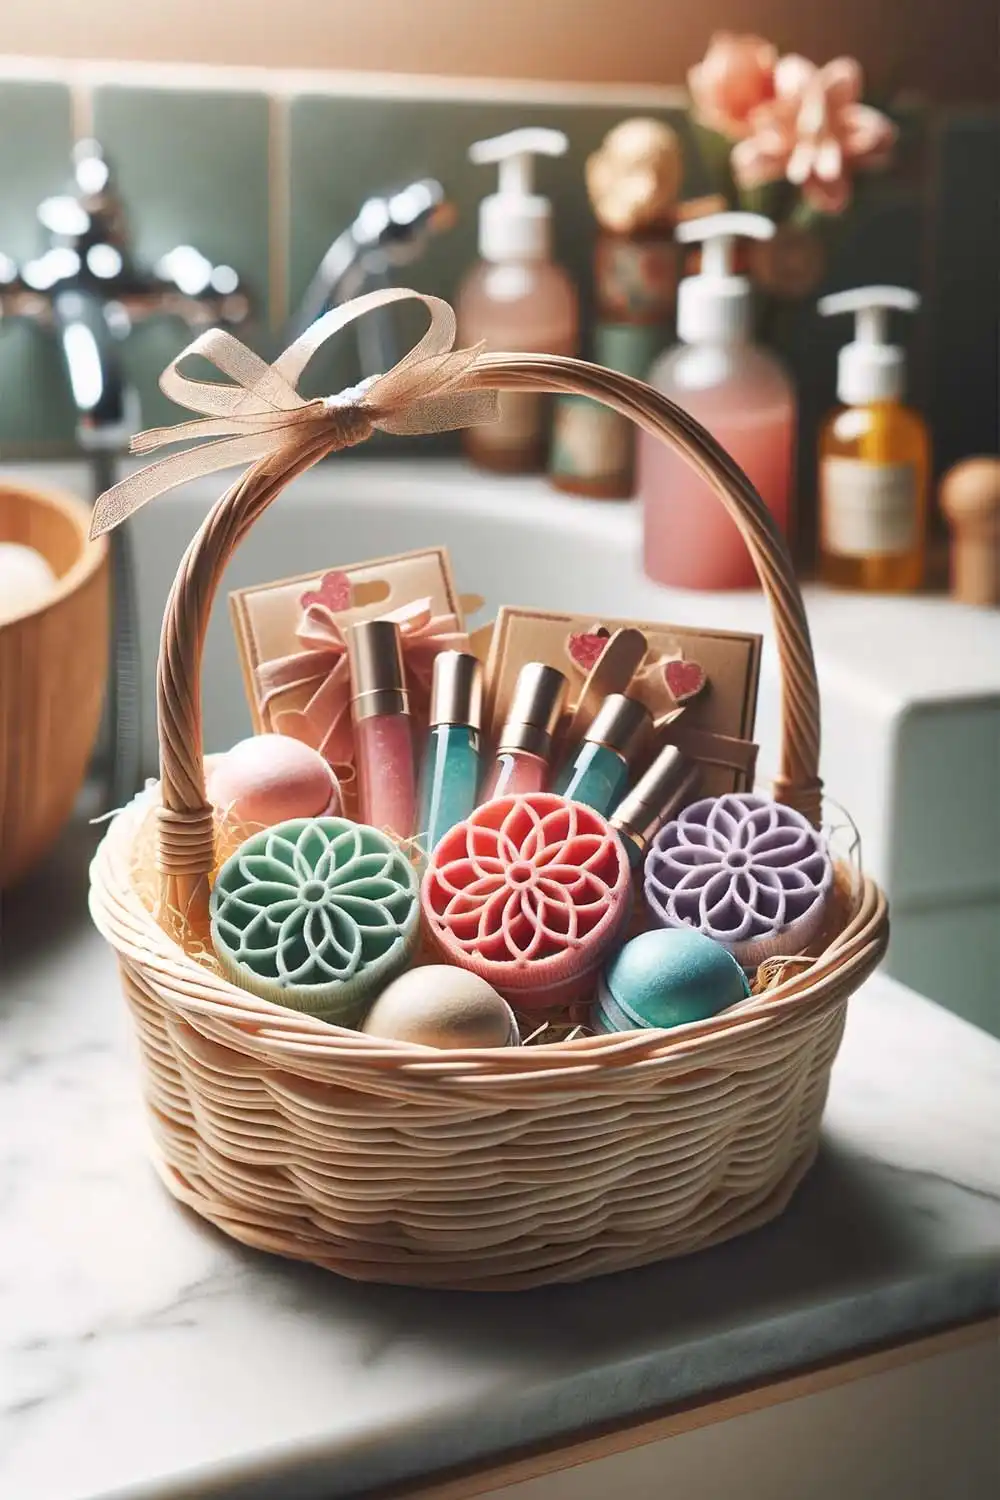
190, 287
17, 298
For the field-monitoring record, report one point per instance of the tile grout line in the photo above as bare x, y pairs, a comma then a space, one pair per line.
81, 106
279, 216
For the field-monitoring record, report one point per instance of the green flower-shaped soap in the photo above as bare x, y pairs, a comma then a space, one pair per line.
317, 914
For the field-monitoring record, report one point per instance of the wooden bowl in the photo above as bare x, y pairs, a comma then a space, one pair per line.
53, 669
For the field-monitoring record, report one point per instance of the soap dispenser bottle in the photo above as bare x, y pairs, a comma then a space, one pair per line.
874, 456
741, 393
515, 298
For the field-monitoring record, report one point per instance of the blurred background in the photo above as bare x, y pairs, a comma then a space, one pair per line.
948, 51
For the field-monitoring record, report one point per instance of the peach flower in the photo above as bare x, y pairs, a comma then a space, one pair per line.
735, 76
814, 132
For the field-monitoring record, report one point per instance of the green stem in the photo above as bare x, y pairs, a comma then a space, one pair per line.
714, 152
804, 216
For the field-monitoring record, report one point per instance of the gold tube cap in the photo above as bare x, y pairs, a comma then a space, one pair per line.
375, 653
457, 691
539, 695
621, 723
655, 797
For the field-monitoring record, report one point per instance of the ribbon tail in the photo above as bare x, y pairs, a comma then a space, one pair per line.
299, 670
434, 375
223, 427
132, 493
326, 711
441, 413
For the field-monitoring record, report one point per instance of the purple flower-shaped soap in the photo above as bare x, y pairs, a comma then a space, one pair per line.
751, 873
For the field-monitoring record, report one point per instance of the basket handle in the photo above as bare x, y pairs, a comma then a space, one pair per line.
186, 853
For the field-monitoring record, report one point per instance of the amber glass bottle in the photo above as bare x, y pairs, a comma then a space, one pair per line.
874, 459
873, 498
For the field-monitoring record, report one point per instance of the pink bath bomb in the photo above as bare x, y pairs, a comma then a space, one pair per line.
271, 778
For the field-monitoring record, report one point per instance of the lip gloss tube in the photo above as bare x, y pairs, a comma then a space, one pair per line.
450, 774
665, 787
383, 735
598, 771
522, 763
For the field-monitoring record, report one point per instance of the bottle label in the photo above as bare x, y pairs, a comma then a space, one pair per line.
636, 278
868, 510
521, 423
589, 441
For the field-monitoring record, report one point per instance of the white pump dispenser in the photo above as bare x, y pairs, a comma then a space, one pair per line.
870, 368
715, 306
515, 296
515, 223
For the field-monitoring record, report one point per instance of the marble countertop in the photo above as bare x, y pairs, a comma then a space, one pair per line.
144, 1355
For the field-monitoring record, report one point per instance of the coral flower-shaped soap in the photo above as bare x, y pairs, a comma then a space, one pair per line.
530, 893
317, 914
751, 873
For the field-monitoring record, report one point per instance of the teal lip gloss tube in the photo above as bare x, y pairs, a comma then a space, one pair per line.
450, 775
597, 774
668, 785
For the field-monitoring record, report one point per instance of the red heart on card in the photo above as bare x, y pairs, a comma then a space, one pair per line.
585, 648
334, 591
685, 679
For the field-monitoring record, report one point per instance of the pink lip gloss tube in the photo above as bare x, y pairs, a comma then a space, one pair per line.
383, 735
522, 763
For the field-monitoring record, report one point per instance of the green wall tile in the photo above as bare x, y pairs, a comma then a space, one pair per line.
950, 848
951, 953
192, 169
34, 162
964, 372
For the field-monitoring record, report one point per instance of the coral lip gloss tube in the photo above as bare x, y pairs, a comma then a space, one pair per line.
383, 735
522, 763
597, 774
450, 775
668, 785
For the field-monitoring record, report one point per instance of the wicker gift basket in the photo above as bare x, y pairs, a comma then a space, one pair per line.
384, 1161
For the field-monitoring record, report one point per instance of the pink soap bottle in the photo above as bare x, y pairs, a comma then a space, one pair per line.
383, 734
741, 393
516, 297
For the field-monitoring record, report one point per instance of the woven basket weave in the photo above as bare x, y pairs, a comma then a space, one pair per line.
477, 1169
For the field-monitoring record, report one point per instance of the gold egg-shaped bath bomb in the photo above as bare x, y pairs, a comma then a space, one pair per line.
442, 1006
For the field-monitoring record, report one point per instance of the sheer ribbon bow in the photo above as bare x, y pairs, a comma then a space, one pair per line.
258, 416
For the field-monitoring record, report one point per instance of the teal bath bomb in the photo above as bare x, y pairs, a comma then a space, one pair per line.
667, 977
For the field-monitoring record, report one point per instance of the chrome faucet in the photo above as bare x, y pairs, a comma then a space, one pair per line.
391, 230
87, 289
